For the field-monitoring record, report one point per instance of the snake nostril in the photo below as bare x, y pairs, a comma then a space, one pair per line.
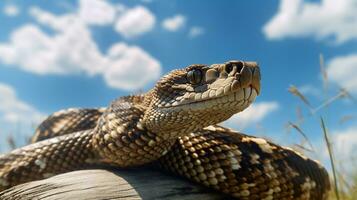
228, 68
239, 66
236, 66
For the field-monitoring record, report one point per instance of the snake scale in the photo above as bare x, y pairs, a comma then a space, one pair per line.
174, 126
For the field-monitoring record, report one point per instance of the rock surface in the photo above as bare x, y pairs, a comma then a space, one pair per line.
103, 184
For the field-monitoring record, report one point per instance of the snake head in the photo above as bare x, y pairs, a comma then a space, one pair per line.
201, 95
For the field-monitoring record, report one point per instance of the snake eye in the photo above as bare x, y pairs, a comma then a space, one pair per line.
194, 76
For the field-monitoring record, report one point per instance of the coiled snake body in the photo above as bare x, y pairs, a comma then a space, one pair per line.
174, 126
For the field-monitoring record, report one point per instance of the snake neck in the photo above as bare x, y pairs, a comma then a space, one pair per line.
121, 137
139, 129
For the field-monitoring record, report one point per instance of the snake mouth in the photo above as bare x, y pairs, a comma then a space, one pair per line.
239, 97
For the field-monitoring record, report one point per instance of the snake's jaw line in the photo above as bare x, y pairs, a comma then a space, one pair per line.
201, 95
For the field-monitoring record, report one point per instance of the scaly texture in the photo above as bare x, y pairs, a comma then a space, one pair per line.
67, 121
245, 167
167, 125
47, 158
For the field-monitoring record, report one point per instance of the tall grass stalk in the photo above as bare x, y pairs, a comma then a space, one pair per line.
330, 152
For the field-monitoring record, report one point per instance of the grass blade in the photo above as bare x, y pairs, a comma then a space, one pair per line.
346, 118
293, 90
304, 148
296, 127
323, 72
341, 94
329, 148
11, 142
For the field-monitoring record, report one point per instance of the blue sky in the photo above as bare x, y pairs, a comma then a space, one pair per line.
86, 53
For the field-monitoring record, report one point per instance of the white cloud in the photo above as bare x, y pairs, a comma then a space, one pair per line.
345, 142
310, 90
195, 31
253, 114
55, 22
67, 52
134, 22
98, 12
11, 10
136, 67
71, 50
328, 18
14, 110
343, 71
174, 23
120, 9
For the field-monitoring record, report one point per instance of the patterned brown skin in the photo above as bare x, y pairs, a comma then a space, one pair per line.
67, 121
47, 158
245, 167
167, 125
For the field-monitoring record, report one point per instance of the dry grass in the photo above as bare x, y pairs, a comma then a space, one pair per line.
342, 188
332, 159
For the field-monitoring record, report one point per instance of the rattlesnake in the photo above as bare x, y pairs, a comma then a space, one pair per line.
174, 126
